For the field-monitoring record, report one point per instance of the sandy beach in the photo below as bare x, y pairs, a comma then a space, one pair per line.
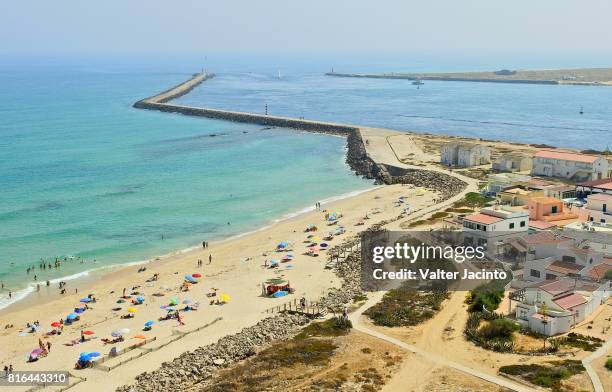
237, 269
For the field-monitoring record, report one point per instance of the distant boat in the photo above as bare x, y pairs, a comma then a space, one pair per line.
581, 110
279, 74
418, 82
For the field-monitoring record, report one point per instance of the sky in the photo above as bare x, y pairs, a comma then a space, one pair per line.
304, 26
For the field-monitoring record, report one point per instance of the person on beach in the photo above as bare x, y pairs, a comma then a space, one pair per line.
10, 294
210, 259
48, 346
82, 336
178, 318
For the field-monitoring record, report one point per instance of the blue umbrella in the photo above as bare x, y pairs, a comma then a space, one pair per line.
85, 300
149, 323
72, 316
140, 298
79, 310
85, 357
279, 294
94, 354
186, 301
190, 278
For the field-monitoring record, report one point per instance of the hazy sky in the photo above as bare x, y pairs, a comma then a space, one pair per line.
307, 25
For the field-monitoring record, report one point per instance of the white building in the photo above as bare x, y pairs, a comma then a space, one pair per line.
554, 307
464, 154
494, 224
513, 162
573, 166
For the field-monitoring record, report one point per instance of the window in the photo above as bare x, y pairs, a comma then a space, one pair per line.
534, 273
512, 225
554, 209
523, 223
605, 208
551, 277
568, 259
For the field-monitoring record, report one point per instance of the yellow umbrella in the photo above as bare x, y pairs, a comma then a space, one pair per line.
315, 238
224, 298
132, 310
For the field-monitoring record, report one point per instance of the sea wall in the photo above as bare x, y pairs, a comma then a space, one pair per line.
442, 78
357, 157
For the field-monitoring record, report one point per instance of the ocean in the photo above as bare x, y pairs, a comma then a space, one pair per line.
83, 174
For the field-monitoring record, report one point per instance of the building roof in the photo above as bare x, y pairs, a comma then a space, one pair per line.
598, 271
545, 200
540, 225
555, 287
570, 301
566, 156
564, 267
600, 197
596, 183
543, 237
483, 219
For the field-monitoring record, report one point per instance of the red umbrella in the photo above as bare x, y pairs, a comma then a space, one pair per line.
56, 324
196, 275
88, 333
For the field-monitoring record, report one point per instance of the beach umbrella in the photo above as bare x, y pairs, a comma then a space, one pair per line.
140, 337
79, 310
89, 333
149, 323
323, 245
116, 334
186, 301
283, 245
196, 275
72, 316
36, 352
94, 354
279, 294
315, 238
124, 330
84, 357
56, 324
132, 310
140, 298
85, 300
174, 301
190, 278
224, 298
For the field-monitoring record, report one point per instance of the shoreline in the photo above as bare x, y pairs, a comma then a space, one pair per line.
28, 295
571, 77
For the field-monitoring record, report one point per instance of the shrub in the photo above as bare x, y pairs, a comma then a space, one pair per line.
608, 364
499, 329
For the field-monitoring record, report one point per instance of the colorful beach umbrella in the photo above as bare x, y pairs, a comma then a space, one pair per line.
279, 294
56, 324
186, 301
85, 300
149, 323
94, 354
36, 352
190, 278
140, 337
72, 316
84, 357
89, 333
79, 310
224, 298
174, 301
196, 275
132, 310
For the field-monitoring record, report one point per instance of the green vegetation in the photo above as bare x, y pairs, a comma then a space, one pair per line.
439, 215
335, 326
499, 329
473, 200
459, 210
405, 307
583, 342
608, 364
488, 295
608, 275
256, 374
490, 331
549, 376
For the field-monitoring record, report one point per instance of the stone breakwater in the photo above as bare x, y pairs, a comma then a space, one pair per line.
447, 186
357, 157
198, 365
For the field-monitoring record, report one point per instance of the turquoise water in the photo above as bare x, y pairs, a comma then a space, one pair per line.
84, 174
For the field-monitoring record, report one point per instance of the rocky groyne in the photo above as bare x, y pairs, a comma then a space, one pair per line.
195, 366
357, 157
441, 78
